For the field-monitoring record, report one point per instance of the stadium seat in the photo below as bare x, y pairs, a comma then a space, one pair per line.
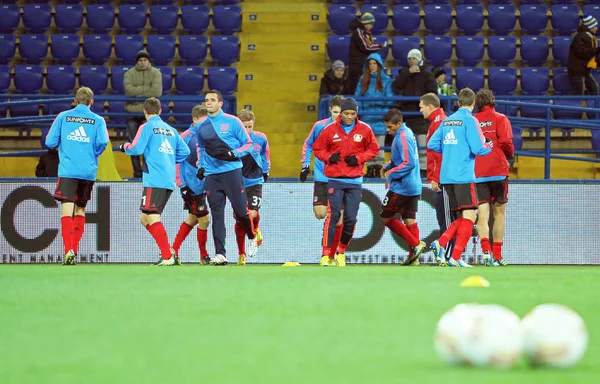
197, 2
340, 17
501, 19
534, 112
8, 47
56, 108
534, 50
470, 77
561, 81
566, 114
406, 1
565, 19
60, 79
65, 48
127, 46
36, 17
28, 78
502, 80
167, 78
469, 49
225, 50
97, 48
117, 72
183, 107
24, 110
116, 107
68, 18
4, 78
533, 19
228, 2
161, 48
33, 48
100, 18
10, 17
195, 18
438, 49
132, 18
438, 18
223, 79
469, 18
342, 1
383, 52
401, 45
381, 17
227, 19
596, 140
189, 80
560, 49
94, 77
535, 80
592, 9
502, 49
163, 18
469, 1
338, 48
193, 49
406, 19
375, 1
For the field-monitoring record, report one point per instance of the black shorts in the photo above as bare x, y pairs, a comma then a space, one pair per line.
154, 200
195, 204
394, 203
254, 196
493, 191
76, 191
462, 196
320, 193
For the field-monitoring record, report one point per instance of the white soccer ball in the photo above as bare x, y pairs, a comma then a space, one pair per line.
554, 336
451, 328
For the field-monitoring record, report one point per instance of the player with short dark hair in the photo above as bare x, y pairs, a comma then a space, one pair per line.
81, 137
162, 149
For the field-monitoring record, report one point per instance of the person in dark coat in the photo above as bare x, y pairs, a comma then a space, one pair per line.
361, 46
48, 164
583, 56
334, 80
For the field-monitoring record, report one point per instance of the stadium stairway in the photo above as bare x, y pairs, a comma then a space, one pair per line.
280, 69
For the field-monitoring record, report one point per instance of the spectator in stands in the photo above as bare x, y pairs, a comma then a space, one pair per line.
48, 164
334, 80
443, 88
361, 46
140, 81
583, 54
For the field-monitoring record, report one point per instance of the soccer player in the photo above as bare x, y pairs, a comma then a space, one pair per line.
459, 140
344, 146
81, 137
192, 190
404, 176
492, 176
162, 149
223, 141
320, 187
255, 172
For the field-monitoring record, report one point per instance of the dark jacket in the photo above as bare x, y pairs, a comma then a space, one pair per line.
414, 84
48, 164
361, 46
331, 85
581, 51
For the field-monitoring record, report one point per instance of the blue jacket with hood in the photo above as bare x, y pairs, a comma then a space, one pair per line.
378, 106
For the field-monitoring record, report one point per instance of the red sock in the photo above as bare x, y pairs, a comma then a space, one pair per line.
400, 229
485, 245
450, 233
202, 235
414, 230
182, 234
463, 234
256, 220
78, 229
342, 248
158, 231
240, 237
336, 240
497, 250
66, 229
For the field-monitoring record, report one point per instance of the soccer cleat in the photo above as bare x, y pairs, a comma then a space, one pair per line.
327, 261
166, 262
242, 260
252, 247
175, 257
439, 253
458, 263
413, 258
258, 237
219, 260
488, 261
340, 259
501, 262
70, 258
205, 260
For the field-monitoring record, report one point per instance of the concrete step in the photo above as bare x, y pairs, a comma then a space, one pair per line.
271, 52
294, 27
277, 139
267, 38
279, 87
287, 110
301, 13
253, 97
287, 77
279, 66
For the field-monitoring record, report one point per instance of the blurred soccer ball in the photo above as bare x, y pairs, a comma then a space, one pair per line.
451, 328
554, 335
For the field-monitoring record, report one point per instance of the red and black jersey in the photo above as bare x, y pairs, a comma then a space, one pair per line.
495, 126
434, 159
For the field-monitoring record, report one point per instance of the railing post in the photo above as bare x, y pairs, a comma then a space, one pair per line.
548, 145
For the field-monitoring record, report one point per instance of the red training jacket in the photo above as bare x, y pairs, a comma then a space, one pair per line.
434, 159
360, 142
496, 127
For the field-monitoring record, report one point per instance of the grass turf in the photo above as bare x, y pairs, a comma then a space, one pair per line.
264, 324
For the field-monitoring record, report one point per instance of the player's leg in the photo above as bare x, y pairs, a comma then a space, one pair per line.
254, 196
500, 196
236, 193
438, 246
408, 210
352, 197
202, 236
153, 203
390, 205
450, 216
334, 213
216, 200
83, 195
189, 204
483, 220
66, 193
338, 235
466, 197
320, 200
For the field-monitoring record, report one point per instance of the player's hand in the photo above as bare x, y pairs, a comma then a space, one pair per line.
200, 173
435, 187
122, 146
489, 142
265, 177
304, 173
335, 158
351, 160
227, 155
414, 69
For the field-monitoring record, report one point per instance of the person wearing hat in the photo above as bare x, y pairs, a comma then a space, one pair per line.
140, 81
334, 80
361, 46
583, 56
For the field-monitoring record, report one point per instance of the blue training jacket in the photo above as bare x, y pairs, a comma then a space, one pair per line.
307, 150
81, 137
162, 149
404, 170
258, 161
218, 134
459, 139
189, 168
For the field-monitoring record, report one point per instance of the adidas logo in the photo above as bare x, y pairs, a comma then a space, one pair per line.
165, 147
79, 135
450, 138
336, 136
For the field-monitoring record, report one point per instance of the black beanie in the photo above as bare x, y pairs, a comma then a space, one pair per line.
349, 104
141, 54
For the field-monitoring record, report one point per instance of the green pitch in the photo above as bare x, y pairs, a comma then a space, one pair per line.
264, 324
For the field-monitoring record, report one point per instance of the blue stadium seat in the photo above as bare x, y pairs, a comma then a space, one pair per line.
375, 1
227, 19
161, 48
469, 49
60, 79
340, 17
381, 17
406, 19
502, 80
561, 81
438, 49
448, 70
100, 18
409, 2
28, 78
342, 1
533, 19
535, 80
8, 46
167, 78
199, 2
338, 48
565, 19
4, 78
33, 48
560, 49
183, 107
438, 18
36, 17
501, 19
68, 18
127, 46
56, 108
116, 107
134, 2
469, 18
565, 114
502, 49
65, 48
189, 80
470, 77
132, 18
383, 52
401, 45
163, 18
10, 17
117, 72
193, 49
24, 110
97, 48
596, 140
223, 79
592, 9
94, 77
469, 1
225, 50
534, 112
534, 49
195, 18
228, 2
